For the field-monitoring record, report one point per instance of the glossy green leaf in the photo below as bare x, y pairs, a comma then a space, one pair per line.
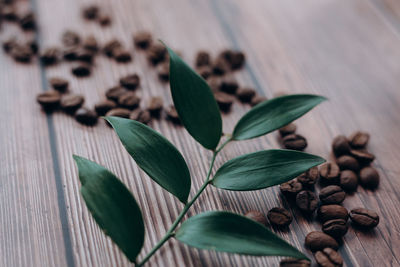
274, 114
229, 232
112, 206
263, 169
155, 155
195, 103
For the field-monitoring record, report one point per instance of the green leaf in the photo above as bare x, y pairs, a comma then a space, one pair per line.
229, 232
112, 206
155, 155
263, 169
195, 103
274, 114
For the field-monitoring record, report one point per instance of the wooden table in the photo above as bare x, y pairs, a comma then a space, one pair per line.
348, 51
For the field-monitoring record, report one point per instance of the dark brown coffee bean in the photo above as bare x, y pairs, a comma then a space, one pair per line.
329, 173
122, 55
103, 107
309, 178
81, 70
143, 39
49, 100
348, 163
91, 12
32, 44
71, 53
279, 217
21, 53
348, 181
86, 116
9, 13
363, 157
70, 38
291, 188
155, 106
332, 194
364, 218
318, 241
115, 92
331, 212
90, 43
163, 71
246, 94
340, 146
172, 115
335, 228
369, 177
130, 82
295, 142
306, 201
27, 21
257, 100
119, 112
70, 103
140, 115
111, 46
256, 216
50, 56
129, 100
9, 44
328, 258
294, 263
156, 53
104, 20
203, 58
237, 60
288, 129
224, 101
205, 72
359, 139
214, 83
220, 66
59, 84
84, 55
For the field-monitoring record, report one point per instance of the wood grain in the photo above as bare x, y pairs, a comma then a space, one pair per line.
345, 50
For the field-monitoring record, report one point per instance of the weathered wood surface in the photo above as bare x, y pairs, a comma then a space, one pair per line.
348, 51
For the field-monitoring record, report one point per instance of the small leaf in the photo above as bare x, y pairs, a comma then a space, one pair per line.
274, 114
112, 206
263, 169
229, 232
195, 103
155, 155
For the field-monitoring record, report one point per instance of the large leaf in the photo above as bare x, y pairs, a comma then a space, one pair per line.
263, 169
274, 114
229, 232
195, 103
155, 155
112, 206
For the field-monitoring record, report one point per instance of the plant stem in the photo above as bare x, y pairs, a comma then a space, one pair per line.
170, 233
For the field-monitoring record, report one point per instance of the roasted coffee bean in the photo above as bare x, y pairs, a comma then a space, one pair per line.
21, 53
103, 107
86, 116
70, 103
348, 163
91, 12
329, 173
71, 53
335, 228
81, 70
205, 72
291, 188
257, 100
359, 139
122, 55
220, 67
306, 201
364, 218
172, 115
84, 55
71, 38
156, 53
50, 56
340, 146
317, 240
294, 263
279, 217
129, 100
155, 106
363, 157
237, 60
348, 181
130, 82
163, 71
214, 83
309, 178
224, 101
115, 92
328, 258
369, 177
49, 100
140, 115
203, 58
295, 142
90, 43
143, 39
9, 13
119, 112
332, 194
111, 46
9, 44
256, 216
246, 94
331, 212
288, 129
104, 20
27, 21
32, 44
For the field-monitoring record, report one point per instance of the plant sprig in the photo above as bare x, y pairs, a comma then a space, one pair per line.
117, 212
